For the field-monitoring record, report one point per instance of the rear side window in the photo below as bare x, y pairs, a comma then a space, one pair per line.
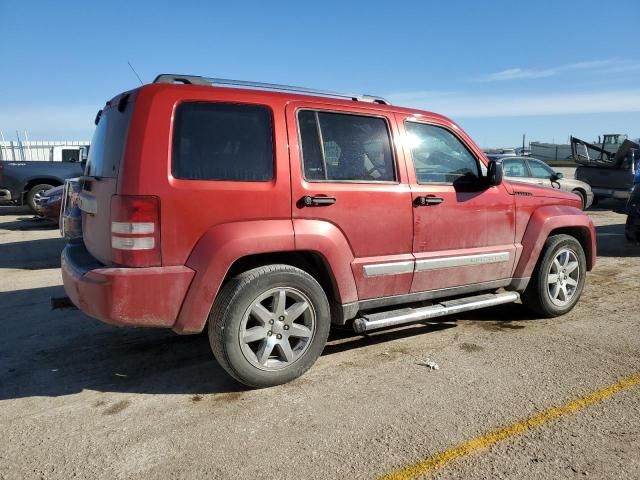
344, 147
107, 144
222, 141
438, 156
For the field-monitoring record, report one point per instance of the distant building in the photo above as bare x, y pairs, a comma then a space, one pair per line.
43, 150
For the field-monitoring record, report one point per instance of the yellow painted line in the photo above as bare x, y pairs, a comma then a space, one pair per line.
441, 459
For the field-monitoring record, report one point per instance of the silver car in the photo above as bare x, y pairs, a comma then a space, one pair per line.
531, 170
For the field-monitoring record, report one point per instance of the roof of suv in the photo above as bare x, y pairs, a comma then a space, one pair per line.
290, 93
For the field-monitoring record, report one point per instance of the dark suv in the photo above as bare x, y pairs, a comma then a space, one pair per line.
270, 212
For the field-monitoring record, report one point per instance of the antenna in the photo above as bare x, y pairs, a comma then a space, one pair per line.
135, 73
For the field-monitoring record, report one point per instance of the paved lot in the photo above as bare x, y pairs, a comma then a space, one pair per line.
82, 399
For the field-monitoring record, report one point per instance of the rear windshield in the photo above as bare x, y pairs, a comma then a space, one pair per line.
222, 141
107, 144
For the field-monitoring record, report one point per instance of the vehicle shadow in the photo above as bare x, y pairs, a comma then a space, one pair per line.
61, 352
608, 204
612, 242
501, 317
32, 254
345, 339
29, 224
13, 210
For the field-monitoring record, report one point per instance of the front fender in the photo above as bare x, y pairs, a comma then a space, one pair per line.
542, 223
214, 254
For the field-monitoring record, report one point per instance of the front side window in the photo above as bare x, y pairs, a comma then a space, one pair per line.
514, 168
539, 169
345, 147
222, 141
438, 155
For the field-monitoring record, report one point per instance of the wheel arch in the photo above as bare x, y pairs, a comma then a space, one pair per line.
228, 249
582, 235
550, 220
38, 180
310, 261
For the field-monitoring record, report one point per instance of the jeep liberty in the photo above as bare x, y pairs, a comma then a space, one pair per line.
266, 213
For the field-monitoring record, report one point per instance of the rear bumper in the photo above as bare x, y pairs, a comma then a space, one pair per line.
618, 194
143, 297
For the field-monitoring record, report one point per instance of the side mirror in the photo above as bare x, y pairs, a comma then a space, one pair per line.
495, 173
557, 176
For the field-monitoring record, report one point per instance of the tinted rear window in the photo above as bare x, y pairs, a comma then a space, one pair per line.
107, 144
222, 141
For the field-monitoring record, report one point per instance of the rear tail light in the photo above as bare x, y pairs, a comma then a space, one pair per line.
135, 231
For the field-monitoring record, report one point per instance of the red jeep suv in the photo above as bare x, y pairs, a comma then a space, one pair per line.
270, 212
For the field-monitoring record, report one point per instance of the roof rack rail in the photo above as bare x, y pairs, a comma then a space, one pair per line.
196, 80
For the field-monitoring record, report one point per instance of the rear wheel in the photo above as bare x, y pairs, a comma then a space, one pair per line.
559, 277
34, 194
269, 325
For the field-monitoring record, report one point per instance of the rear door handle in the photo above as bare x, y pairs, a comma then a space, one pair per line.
428, 200
317, 201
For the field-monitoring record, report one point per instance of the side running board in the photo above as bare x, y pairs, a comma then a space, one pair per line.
405, 316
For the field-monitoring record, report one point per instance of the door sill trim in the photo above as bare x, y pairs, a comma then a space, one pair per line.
351, 310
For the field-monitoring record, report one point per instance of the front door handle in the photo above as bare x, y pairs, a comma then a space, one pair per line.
428, 200
317, 201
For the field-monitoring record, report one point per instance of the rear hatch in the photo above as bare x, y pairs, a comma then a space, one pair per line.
100, 182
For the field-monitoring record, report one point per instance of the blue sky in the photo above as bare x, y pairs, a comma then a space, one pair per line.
503, 68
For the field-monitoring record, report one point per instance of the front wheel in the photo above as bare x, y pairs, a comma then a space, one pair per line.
269, 325
558, 279
583, 198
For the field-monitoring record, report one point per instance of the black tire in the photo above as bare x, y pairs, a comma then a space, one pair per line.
631, 230
583, 198
33, 193
233, 309
537, 296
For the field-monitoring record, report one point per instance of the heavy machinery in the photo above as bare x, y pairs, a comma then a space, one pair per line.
610, 174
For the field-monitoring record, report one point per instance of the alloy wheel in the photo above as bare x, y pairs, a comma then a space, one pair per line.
277, 328
563, 277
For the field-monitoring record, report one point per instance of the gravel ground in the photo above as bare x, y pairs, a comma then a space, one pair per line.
82, 399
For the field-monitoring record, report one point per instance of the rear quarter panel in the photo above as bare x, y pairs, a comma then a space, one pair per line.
189, 208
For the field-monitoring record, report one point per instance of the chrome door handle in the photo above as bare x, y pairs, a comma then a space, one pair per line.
427, 200
317, 201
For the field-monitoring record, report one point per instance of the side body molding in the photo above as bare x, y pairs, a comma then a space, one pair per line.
327, 240
214, 254
542, 222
